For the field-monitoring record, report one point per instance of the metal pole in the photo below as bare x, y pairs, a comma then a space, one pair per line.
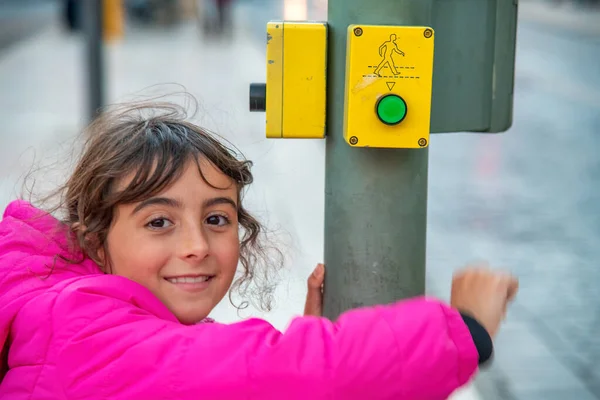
375, 199
92, 26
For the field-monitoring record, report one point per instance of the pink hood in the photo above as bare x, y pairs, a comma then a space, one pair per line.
30, 242
76, 333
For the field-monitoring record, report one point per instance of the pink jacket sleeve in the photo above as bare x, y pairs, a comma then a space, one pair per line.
416, 349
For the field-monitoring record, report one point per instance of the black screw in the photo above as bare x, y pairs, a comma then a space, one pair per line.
428, 33
422, 142
353, 140
358, 31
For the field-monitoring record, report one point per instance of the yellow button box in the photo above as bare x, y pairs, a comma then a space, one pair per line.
389, 73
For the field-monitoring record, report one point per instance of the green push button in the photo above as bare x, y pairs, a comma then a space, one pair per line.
391, 109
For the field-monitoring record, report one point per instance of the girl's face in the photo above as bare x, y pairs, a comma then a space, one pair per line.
182, 244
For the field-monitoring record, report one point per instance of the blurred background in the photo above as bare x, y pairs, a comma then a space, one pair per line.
527, 200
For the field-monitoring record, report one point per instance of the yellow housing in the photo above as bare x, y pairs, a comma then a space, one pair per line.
388, 62
296, 79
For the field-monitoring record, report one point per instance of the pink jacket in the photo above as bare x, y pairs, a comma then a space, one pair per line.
76, 333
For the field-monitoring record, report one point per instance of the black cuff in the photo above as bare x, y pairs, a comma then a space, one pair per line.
481, 338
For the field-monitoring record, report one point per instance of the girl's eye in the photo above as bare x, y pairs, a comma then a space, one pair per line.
218, 220
159, 223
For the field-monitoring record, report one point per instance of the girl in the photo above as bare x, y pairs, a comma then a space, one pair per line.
112, 301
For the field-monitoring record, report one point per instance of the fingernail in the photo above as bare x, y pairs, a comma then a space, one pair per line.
318, 272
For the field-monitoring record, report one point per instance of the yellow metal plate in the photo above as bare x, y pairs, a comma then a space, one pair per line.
304, 79
388, 60
296, 79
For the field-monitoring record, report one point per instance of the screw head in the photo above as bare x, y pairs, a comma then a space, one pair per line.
358, 31
428, 33
353, 140
422, 142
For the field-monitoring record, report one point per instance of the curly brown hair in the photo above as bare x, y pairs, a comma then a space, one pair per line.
154, 141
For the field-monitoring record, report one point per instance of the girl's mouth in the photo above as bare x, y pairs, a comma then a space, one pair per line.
191, 283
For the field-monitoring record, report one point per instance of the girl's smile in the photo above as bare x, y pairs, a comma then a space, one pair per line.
191, 283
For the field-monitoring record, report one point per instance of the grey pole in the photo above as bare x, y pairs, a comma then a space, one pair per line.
375, 199
92, 27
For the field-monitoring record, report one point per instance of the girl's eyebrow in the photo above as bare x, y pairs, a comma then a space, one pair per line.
166, 201
219, 200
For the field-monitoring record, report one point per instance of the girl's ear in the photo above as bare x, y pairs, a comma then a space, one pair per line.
91, 246
102, 256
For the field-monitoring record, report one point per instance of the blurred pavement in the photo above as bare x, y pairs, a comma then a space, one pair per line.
529, 200
22, 18
566, 16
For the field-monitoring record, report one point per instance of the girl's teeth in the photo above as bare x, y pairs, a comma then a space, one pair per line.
189, 279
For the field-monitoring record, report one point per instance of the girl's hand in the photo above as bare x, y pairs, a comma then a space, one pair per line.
314, 297
484, 294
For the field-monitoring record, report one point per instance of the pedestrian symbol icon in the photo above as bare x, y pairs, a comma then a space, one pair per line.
386, 50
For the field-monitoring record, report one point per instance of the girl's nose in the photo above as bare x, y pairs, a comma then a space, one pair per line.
194, 244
